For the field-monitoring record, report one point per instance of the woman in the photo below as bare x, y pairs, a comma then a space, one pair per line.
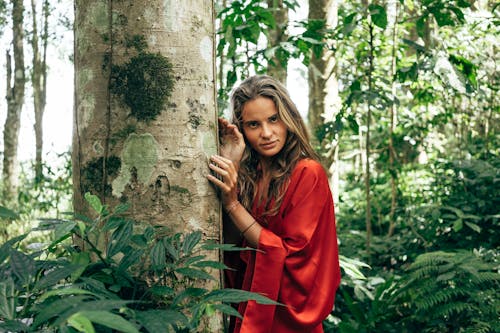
276, 195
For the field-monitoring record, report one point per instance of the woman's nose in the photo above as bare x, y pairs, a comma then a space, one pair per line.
266, 131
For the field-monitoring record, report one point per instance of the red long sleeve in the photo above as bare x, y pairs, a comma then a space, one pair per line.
297, 264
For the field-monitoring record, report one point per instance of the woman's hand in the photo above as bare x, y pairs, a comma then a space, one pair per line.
225, 177
232, 141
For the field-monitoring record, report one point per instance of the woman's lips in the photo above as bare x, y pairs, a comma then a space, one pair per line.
269, 145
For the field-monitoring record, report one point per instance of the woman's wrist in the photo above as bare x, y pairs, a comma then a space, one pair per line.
232, 206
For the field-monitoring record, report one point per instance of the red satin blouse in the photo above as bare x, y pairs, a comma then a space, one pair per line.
297, 264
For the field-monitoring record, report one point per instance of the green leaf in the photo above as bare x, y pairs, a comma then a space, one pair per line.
473, 226
172, 251
458, 225
64, 229
8, 301
236, 296
110, 320
420, 25
378, 15
190, 241
120, 238
161, 290
94, 202
194, 273
188, 293
81, 323
227, 309
157, 255
5, 249
56, 275
121, 208
225, 247
211, 264
6, 213
13, 326
155, 321
22, 265
66, 292
130, 258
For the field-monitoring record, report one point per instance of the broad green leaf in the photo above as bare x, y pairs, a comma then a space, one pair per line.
237, 296
188, 293
194, 273
56, 275
161, 290
378, 15
211, 264
6, 213
157, 255
225, 247
6, 247
66, 292
8, 301
121, 208
94, 202
130, 258
110, 320
13, 326
81, 323
120, 238
155, 321
172, 251
190, 241
227, 309
64, 229
458, 225
22, 265
473, 226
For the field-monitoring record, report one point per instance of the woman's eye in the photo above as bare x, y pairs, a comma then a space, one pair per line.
273, 119
252, 124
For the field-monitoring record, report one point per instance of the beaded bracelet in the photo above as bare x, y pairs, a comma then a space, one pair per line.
232, 206
247, 228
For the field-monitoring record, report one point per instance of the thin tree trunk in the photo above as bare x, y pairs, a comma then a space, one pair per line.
279, 10
368, 218
15, 101
39, 80
393, 112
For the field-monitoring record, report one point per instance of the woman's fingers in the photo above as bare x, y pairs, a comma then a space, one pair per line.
224, 173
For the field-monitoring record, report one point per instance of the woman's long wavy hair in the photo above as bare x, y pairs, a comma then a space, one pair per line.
297, 145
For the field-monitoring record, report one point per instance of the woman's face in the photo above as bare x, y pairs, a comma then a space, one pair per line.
264, 130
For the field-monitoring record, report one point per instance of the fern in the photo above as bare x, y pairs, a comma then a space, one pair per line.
449, 292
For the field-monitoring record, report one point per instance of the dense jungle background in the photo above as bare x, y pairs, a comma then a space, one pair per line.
401, 98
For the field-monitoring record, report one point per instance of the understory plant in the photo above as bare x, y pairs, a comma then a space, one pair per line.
145, 280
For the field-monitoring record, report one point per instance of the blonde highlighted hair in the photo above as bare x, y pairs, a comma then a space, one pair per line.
297, 145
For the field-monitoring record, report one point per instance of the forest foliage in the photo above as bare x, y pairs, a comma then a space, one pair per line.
417, 145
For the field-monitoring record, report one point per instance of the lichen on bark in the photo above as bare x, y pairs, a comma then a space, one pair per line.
140, 153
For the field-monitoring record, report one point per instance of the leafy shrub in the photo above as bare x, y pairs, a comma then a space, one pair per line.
451, 292
144, 281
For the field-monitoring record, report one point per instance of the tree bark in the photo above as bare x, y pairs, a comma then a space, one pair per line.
39, 81
276, 68
15, 101
158, 166
324, 100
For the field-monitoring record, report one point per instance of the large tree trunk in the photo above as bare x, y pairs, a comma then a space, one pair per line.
276, 68
15, 101
324, 100
158, 165
39, 80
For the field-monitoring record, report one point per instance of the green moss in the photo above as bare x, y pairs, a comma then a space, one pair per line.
138, 42
92, 175
144, 83
179, 189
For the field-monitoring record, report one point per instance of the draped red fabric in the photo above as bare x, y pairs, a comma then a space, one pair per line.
296, 262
